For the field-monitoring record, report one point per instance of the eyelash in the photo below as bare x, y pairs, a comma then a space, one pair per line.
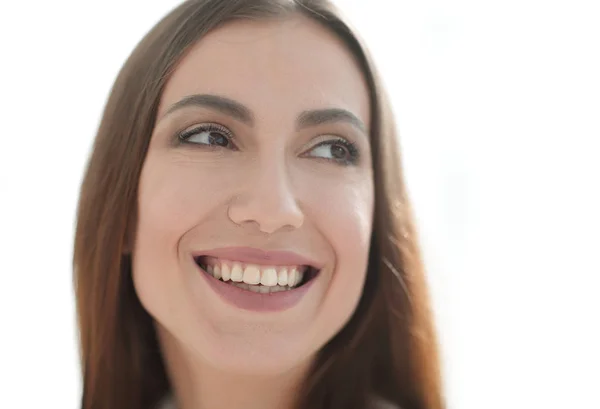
208, 127
351, 147
213, 127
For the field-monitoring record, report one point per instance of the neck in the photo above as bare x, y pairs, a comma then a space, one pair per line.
197, 385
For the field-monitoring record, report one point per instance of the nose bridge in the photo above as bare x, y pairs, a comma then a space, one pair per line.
267, 195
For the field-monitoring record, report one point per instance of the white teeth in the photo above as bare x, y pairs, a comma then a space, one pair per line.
243, 286
292, 276
252, 274
282, 278
299, 277
225, 273
269, 277
262, 289
237, 274
295, 277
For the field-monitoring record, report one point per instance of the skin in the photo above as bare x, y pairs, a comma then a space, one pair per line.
272, 190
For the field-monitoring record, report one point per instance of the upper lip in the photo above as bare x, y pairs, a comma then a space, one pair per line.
259, 256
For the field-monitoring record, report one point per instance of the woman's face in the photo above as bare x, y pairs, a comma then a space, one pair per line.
258, 172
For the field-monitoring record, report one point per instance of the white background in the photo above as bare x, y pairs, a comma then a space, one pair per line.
498, 106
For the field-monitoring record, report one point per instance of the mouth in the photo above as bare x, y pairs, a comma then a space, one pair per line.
257, 278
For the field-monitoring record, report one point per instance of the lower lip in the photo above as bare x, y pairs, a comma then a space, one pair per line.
248, 300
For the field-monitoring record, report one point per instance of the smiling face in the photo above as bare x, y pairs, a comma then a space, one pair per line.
259, 164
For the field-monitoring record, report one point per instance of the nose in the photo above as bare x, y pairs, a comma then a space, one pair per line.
267, 199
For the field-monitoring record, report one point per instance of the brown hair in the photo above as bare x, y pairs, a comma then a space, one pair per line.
388, 348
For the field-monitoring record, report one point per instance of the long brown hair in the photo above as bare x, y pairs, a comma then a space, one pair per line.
388, 348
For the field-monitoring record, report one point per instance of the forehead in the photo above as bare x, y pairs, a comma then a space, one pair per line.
272, 66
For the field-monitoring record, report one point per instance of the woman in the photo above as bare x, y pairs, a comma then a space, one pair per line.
244, 238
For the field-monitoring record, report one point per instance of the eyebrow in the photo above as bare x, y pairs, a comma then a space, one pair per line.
330, 115
243, 114
215, 102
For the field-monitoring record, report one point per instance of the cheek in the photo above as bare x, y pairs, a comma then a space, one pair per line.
176, 193
345, 219
172, 199
172, 196
344, 212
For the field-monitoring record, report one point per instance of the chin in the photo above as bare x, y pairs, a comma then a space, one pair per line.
265, 355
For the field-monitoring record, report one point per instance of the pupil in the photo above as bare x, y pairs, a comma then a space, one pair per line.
338, 152
218, 139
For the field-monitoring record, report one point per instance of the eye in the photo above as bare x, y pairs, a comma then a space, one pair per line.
337, 150
209, 134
